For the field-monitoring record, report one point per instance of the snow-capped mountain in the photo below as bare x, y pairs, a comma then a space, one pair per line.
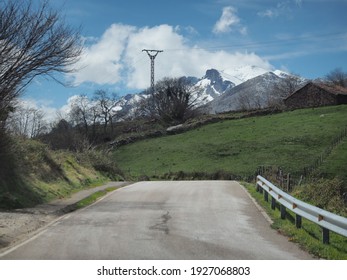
210, 86
255, 93
242, 74
224, 90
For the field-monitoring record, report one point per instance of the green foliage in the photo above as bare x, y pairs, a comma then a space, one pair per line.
335, 164
34, 174
93, 198
181, 175
102, 162
325, 194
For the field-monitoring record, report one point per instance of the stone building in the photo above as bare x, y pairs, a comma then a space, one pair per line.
316, 95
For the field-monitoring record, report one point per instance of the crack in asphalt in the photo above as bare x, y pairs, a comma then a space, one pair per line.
162, 225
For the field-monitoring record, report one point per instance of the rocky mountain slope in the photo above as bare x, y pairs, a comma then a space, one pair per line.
248, 87
255, 93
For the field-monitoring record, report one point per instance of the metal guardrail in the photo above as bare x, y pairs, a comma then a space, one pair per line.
327, 220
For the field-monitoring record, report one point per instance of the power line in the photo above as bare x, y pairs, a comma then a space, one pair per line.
152, 55
300, 39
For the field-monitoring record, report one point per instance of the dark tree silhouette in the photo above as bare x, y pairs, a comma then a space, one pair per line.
172, 101
337, 77
34, 41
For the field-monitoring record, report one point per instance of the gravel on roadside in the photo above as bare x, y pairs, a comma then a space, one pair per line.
18, 225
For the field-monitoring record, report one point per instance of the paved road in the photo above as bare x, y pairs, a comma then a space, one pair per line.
164, 220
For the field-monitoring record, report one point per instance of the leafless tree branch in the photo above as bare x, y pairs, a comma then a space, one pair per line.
33, 42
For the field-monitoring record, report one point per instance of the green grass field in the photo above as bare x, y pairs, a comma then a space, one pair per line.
292, 140
336, 163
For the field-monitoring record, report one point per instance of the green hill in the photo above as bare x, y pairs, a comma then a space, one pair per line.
336, 163
292, 140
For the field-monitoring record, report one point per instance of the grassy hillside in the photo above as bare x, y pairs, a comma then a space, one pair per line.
292, 140
33, 174
336, 163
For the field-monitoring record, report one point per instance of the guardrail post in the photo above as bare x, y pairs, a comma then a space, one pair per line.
301, 209
273, 203
325, 236
298, 221
283, 212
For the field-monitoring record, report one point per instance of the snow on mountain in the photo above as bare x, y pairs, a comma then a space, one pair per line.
251, 94
255, 93
281, 73
224, 90
210, 86
242, 74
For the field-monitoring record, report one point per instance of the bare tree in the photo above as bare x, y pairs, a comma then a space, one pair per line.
39, 125
281, 90
33, 42
337, 77
26, 121
106, 104
81, 112
249, 101
172, 101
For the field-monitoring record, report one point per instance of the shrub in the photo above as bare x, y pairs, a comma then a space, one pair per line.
101, 161
324, 193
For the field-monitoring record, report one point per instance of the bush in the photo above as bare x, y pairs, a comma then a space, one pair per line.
324, 193
101, 161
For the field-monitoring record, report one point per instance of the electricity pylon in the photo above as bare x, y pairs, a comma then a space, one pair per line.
152, 55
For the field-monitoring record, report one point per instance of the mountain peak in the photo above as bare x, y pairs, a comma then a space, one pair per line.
226, 88
214, 82
241, 74
213, 75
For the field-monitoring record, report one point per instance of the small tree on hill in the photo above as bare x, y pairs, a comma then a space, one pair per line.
337, 77
27, 121
285, 87
106, 104
172, 101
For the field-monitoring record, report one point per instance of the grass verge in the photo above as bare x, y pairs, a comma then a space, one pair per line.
93, 197
35, 174
309, 237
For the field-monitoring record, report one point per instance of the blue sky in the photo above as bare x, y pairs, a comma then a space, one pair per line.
305, 37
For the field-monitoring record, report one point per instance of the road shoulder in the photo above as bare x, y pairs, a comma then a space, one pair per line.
19, 225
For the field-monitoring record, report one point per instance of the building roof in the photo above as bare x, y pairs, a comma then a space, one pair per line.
333, 89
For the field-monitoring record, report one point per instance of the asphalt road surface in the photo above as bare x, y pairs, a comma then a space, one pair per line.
164, 220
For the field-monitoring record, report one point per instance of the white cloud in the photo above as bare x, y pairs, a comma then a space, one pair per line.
283, 8
117, 57
227, 21
270, 13
100, 62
